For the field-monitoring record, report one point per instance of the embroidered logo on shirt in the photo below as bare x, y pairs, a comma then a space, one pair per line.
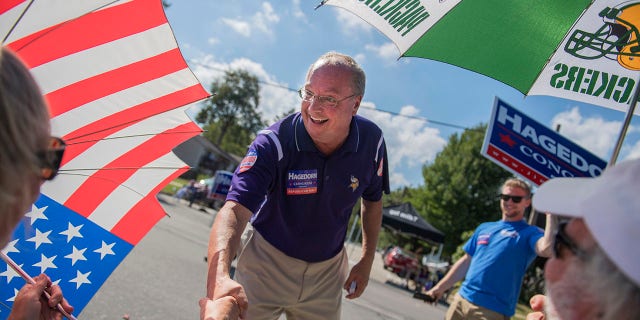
354, 183
484, 238
302, 182
248, 161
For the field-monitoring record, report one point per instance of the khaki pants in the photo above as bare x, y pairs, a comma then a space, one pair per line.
461, 309
276, 283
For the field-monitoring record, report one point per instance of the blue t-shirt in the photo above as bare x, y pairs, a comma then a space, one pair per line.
501, 251
301, 199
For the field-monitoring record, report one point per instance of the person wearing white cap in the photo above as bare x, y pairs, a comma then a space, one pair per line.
595, 270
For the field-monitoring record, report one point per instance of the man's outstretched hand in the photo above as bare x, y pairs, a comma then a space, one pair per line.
225, 308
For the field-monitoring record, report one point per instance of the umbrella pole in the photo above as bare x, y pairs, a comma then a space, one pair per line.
625, 125
30, 280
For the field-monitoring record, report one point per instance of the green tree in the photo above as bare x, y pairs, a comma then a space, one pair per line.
236, 140
396, 197
460, 188
230, 115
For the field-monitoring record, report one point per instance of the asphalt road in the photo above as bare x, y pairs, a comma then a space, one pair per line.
164, 276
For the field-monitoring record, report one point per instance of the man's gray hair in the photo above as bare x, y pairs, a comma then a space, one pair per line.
339, 59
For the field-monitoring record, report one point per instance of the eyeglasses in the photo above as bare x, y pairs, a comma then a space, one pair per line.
51, 158
325, 101
515, 199
562, 239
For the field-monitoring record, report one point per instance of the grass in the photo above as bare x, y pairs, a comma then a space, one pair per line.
521, 312
173, 186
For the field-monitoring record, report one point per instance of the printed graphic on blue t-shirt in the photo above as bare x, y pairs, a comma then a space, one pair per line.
484, 239
302, 182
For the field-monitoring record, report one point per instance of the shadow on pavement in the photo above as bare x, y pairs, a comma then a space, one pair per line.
416, 295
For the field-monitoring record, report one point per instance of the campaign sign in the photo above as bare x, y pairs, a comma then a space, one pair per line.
221, 185
527, 148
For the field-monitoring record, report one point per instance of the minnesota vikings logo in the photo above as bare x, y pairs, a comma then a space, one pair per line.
354, 183
617, 39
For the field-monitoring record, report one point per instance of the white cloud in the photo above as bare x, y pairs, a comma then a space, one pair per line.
351, 24
633, 152
261, 21
387, 51
594, 134
297, 11
410, 142
207, 69
361, 58
241, 27
274, 99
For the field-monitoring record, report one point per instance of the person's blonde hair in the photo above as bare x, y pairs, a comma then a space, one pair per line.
24, 129
339, 59
517, 183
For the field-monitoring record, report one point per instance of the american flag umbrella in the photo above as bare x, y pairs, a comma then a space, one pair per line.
118, 87
583, 50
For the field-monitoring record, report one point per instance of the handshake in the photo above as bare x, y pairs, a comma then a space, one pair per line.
224, 308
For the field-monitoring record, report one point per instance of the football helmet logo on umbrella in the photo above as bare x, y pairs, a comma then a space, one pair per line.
616, 39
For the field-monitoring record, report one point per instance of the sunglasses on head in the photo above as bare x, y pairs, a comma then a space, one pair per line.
51, 158
515, 199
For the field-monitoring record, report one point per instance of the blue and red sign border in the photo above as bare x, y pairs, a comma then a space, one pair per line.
513, 141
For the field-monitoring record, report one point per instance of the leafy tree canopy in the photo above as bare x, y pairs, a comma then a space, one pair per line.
460, 188
229, 116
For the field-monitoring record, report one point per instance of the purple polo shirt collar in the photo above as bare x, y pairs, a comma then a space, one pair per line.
304, 142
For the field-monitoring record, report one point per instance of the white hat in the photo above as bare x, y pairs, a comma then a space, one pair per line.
610, 206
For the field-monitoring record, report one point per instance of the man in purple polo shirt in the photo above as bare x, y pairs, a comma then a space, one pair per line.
297, 186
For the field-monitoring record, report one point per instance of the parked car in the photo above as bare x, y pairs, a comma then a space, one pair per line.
400, 262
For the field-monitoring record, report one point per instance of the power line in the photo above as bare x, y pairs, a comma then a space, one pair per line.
417, 118
441, 123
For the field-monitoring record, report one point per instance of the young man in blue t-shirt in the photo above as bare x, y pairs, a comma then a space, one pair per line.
496, 258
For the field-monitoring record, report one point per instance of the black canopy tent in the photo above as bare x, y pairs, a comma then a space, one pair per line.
405, 219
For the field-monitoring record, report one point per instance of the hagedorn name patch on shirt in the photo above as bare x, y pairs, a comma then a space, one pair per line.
302, 182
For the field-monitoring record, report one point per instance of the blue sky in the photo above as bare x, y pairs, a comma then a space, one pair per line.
409, 98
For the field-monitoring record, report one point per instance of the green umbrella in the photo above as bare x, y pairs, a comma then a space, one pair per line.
581, 50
